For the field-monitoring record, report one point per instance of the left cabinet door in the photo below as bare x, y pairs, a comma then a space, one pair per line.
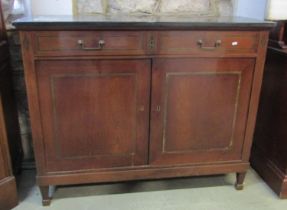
94, 113
9, 135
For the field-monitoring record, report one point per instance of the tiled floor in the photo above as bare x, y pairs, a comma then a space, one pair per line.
201, 193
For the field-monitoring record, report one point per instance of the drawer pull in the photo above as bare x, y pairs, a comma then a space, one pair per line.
100, 46
217, 44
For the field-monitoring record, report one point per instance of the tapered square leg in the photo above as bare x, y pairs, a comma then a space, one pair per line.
240, 180
46, 199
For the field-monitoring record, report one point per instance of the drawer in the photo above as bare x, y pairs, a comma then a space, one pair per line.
63, 43
207, 42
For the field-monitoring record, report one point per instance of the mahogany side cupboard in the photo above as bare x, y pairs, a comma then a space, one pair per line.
10, 144
121, 98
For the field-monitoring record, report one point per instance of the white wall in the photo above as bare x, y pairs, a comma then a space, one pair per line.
51, 7
277, 10
250, 8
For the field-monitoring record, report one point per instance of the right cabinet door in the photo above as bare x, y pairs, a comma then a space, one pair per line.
199, 109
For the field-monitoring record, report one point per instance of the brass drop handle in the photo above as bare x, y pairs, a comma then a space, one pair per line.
100, 46
217, 44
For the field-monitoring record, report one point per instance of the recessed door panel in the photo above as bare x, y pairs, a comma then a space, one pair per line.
199, 109
95, 113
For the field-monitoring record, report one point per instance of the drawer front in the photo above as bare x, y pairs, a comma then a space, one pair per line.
207, 42
89, 43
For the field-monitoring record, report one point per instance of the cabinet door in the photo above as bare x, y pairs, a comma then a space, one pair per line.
199, 109
94, 113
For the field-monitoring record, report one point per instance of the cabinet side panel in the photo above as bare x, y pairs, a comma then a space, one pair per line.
255, 94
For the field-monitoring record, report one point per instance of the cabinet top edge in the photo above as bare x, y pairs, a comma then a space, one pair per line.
138, 22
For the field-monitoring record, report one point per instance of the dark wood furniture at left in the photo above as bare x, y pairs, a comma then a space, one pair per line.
9, 130
116, 100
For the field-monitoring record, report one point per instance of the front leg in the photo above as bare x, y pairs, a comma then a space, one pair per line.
46, 199
240, 180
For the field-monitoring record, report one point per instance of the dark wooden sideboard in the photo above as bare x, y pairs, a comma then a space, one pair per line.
8, 132
269, 153
117, 99
9, 128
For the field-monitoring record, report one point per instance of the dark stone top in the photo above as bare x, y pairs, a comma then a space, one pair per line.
137, 22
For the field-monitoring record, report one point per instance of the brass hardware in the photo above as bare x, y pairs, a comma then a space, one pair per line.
141, 108
157, 109
235, 43
101, 45
217, 44
151, 43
